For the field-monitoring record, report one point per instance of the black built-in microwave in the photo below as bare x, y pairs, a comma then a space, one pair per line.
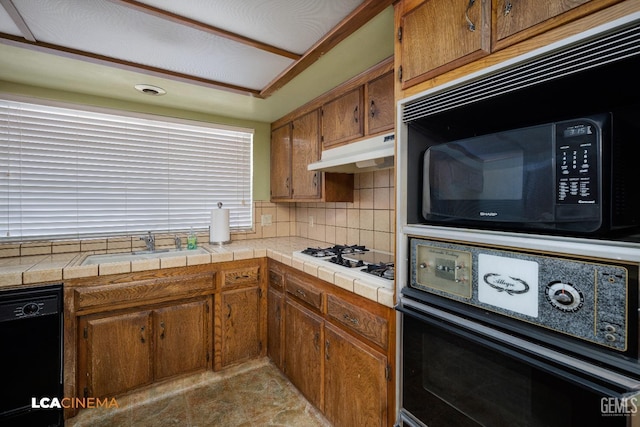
575, 176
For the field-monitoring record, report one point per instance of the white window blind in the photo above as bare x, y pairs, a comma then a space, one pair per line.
71, 173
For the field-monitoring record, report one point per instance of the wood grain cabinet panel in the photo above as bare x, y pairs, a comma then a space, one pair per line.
304, 292
304, 340
355, 382
305, 149
343, 118
275, 324
440, 35
517, 20
359, 320
281, 162
118, 353
182, 335
239, 318
380, 106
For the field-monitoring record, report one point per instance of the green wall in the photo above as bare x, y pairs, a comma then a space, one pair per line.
261, 137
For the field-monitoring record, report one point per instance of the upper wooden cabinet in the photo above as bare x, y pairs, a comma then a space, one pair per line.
281, 162
293, 146
380, 104
343, 118
438, 35
516, 20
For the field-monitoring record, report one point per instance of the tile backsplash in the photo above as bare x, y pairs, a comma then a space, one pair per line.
369, 220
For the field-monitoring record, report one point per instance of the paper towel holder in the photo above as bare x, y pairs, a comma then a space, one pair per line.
228, 235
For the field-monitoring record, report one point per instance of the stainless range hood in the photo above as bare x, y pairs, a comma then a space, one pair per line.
370, 154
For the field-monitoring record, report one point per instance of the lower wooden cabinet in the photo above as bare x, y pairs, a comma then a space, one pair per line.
304, 338
337, 349
239, 318
275, 319
120, 352
355, 381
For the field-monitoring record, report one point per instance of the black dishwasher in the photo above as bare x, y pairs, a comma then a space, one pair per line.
31, 337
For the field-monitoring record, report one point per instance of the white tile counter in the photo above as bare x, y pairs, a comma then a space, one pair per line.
37, 269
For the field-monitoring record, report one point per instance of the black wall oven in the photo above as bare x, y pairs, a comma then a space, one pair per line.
501, 337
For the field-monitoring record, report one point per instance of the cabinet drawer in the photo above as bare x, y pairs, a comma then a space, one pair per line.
143, 291
305, 292
360, 321
241, 276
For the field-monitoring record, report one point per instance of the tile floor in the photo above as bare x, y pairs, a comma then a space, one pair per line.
254, 394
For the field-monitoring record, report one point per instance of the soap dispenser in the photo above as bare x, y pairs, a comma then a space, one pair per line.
192, 240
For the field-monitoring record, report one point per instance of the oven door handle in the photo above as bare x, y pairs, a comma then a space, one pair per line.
580, 372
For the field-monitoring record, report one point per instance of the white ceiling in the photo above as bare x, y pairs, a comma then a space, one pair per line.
249, 59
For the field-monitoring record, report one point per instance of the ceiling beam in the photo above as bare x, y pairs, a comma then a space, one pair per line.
11, 40
182, 20
356, 19
18, 20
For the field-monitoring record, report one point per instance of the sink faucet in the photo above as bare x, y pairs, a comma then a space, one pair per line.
150, 241
178, 243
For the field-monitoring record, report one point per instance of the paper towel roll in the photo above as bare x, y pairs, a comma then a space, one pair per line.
219, 231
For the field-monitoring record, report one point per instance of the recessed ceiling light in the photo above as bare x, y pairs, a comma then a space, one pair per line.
150, 90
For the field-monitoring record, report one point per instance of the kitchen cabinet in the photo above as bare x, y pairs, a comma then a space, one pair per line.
141, 346
275, 317
293, 146
435, 36
516, 20
281, 162
355, 381
337, 348
304, 337
380, 105
343, 118
240, 330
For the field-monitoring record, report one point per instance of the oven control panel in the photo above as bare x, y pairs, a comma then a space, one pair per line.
583, 299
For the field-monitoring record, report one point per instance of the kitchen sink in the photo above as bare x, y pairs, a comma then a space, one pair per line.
138, 255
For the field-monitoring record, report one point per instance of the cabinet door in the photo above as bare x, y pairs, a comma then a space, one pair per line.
274, 327
304, 337
305, 149
355, 381
440, 35
380, 104
342, 119
281, 162
182, 343
513, 18
117, 352
239, 316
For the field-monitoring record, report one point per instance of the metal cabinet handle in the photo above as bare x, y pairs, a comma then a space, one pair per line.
301, 292
372, 109
229, 311
326, 349
142, 339
353, 320
286, 183
162, 330
315, 179
471, 26
507, 7
355, 114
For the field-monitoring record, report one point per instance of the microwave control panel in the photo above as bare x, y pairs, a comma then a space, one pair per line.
577, 146
585, 300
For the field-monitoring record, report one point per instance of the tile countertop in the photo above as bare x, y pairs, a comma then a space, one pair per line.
33, 270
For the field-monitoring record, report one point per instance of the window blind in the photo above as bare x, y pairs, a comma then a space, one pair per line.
70, 173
